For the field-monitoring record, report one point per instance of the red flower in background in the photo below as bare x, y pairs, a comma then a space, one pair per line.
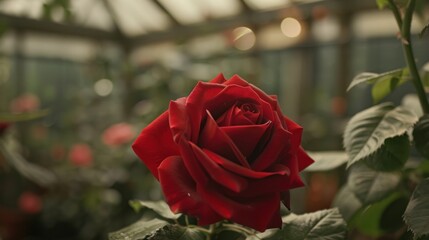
25, 103
80, 155
118, 134
3, 127
30, 202
225, 152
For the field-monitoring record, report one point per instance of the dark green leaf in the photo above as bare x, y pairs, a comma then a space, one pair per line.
392, 155
370, 186
391, 218
347, 203
417, 213
369, 219
19, 117
321, 225
421, 136
159, 207
383, 83
367, 130
325, 161
138, 230
176, 232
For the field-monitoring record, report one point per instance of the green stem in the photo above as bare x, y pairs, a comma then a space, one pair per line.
409, 54
238, 228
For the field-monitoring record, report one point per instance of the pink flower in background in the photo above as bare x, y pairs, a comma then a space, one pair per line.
30, 203
25, 103
118, 134
81, 155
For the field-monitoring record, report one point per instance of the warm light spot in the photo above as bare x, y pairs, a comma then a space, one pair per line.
291, 27
103, 87
244, 38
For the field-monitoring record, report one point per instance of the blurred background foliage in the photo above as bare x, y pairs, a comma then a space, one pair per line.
80, 79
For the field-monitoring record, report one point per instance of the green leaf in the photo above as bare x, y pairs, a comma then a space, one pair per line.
19, 117
369, 220
392, 155
383, 83
159, 207
382, 3
370, 186
367, 130
347, 203
321, 225
421, 136
391, 218
138, 230
176, 232
325, 161
417, 213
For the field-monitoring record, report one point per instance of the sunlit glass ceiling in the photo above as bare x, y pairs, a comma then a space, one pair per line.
137, 17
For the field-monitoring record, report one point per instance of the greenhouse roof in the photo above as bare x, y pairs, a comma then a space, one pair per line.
136, 22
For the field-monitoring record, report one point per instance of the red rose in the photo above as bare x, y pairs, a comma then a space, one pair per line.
225, 152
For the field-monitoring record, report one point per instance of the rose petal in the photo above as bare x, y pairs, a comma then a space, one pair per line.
237, 80
196, 104
285, 196
242, 171
246, 137
155, 143
296, 131
233, 93
257, 213
218, 79
258, 187
303, 159
276, 148
231, 181
213, 138
180, 191
191, 163
180, 124
234, 116
294, 177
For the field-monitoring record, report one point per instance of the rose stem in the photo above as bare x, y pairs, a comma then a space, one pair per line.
405, 27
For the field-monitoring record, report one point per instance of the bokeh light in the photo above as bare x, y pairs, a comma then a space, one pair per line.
103, 87
244, 38
291, 27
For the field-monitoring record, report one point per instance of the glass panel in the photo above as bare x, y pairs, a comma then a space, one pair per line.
219, 8
92, 13
267, 4
149, 14
31, 9
128, 17
185, 11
